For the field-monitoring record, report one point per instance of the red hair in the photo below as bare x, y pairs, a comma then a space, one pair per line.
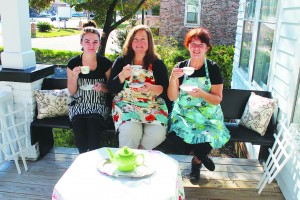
200, 33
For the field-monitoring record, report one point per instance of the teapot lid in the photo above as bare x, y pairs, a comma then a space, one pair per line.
125, 151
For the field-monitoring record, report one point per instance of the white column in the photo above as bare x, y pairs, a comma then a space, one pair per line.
17, 53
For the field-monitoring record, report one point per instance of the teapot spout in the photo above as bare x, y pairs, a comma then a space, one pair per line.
110, 153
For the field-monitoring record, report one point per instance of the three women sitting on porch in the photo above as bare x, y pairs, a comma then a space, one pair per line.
139, 108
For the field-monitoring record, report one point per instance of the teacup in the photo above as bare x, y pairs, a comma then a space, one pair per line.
85, 69
136, 67
188, 70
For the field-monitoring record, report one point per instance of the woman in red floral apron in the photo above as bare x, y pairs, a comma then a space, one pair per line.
139, 110
197, 118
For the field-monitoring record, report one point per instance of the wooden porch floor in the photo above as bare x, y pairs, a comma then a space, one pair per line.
233, 178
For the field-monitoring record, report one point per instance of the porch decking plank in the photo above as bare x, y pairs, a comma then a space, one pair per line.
232, 179
16, 196
238, 194
26, 189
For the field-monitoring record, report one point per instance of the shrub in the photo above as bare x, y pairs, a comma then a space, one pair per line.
223, 56
44, 26
63, 137
47, 56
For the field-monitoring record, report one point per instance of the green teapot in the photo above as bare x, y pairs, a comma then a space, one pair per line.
125, 159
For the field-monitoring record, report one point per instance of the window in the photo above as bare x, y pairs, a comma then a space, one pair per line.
192, 13
258, 33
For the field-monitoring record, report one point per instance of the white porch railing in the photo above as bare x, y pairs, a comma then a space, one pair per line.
13, 142
287, 142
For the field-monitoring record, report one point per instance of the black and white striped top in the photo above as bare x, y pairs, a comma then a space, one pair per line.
86, 102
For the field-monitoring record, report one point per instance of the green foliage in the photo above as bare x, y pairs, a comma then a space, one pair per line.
63, 137
112, 57
56, 33
223, 56
167, 48
156, 10
44, 26
155, 31
39, 5
47, 56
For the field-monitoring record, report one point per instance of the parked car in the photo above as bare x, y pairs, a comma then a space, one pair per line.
60, 18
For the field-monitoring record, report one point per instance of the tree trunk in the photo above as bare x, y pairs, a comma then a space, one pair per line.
103, 42
143, 17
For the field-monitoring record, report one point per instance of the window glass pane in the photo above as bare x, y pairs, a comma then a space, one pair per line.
268, 10
250, 9
246, 45
296, 118
263, 53
192, 12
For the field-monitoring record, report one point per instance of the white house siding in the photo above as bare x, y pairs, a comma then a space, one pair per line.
284, 84
283, 80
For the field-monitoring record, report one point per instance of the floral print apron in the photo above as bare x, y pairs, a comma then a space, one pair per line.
131, 105
194, 119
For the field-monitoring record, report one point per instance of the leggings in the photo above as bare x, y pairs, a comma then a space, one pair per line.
200, 150
87, 132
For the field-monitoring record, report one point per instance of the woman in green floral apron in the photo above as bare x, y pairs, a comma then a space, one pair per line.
197, 118
139, 110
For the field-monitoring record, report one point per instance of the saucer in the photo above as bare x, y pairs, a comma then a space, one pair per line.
136, 85
105, 166
87, 87
187, 88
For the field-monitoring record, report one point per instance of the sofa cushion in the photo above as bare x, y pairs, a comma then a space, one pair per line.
257, 113
52, 103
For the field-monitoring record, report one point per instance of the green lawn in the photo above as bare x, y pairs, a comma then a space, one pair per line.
56, 33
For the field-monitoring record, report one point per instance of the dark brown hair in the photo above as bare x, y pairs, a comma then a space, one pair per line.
128, 52
89, 23
89, 30
200, 33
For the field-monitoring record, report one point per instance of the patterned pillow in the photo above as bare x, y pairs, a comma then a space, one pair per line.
52, 103
258, 113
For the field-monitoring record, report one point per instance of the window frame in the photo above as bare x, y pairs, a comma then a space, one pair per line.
186, 24
249, 75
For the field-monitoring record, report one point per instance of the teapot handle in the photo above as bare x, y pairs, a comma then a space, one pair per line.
142, 160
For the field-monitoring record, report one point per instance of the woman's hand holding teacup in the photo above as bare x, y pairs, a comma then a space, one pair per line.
125, 73
176, 73
75, 72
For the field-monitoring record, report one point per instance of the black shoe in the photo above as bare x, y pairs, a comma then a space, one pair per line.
209, 164
195, 171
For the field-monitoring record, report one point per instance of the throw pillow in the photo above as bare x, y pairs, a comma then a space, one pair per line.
52, 103
257, 113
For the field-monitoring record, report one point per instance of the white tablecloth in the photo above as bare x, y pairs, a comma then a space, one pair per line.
84, 181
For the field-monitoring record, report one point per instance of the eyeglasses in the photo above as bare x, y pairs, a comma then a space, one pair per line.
194, 45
